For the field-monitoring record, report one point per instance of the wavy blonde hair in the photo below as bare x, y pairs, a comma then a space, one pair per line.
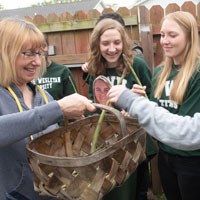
191, 57
96, 63
16, 34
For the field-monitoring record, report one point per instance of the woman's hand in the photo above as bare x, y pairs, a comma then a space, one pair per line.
114, 93
74, 106
125, 114
84, 67
140, 90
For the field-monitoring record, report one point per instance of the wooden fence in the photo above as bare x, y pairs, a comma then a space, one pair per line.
70, 36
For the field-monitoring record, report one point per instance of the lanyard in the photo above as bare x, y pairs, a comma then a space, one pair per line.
18, 103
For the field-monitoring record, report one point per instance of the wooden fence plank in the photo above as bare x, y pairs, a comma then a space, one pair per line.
55, 40
123, 11
93, 14
52, 17
156, 14
172, 8
28, 18
133, 30
107, 10
66, 16
81, 43
68, 59
146, 37
39, 19
158, 53
189, 7
80, 15
68, 41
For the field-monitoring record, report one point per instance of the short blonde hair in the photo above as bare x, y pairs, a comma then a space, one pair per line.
15, 34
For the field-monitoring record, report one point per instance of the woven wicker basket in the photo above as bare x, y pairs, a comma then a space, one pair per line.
64, 167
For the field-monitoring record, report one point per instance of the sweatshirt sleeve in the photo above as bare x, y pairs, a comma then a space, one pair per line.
176, 131
16, 126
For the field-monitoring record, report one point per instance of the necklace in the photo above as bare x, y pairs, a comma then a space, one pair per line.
18, 103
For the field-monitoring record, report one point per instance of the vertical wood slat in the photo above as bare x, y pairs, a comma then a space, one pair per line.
81, 43
93, 14
189, 7
146, 37
39, 19
66, 16
52, 17
68, 41
107, 10
156, 184
55, 40
172, 8
156, 13
123, 11
134, 30
158, 53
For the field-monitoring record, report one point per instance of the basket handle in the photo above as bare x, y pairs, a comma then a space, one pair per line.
117, 113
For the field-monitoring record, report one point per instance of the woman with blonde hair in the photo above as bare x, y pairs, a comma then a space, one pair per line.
181, 53
176, 87
26, 111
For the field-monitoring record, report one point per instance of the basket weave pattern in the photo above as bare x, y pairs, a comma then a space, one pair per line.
64, 167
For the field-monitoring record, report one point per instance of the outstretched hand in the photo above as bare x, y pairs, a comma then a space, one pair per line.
140, 90
114, 93
75, 105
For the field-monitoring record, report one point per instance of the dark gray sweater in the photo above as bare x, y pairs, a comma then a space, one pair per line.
15, 128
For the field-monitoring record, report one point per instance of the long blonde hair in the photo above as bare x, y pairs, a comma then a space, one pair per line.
15, 34
97, 64
191, 57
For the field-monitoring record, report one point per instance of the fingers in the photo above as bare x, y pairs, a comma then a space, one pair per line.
90, 107
79, 117
75, 105
114, 93
84, 67
125, 114
140, 90
84, 104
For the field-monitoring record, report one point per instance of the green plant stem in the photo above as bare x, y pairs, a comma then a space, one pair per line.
134, 74
86, 79
98, 128
73, 84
